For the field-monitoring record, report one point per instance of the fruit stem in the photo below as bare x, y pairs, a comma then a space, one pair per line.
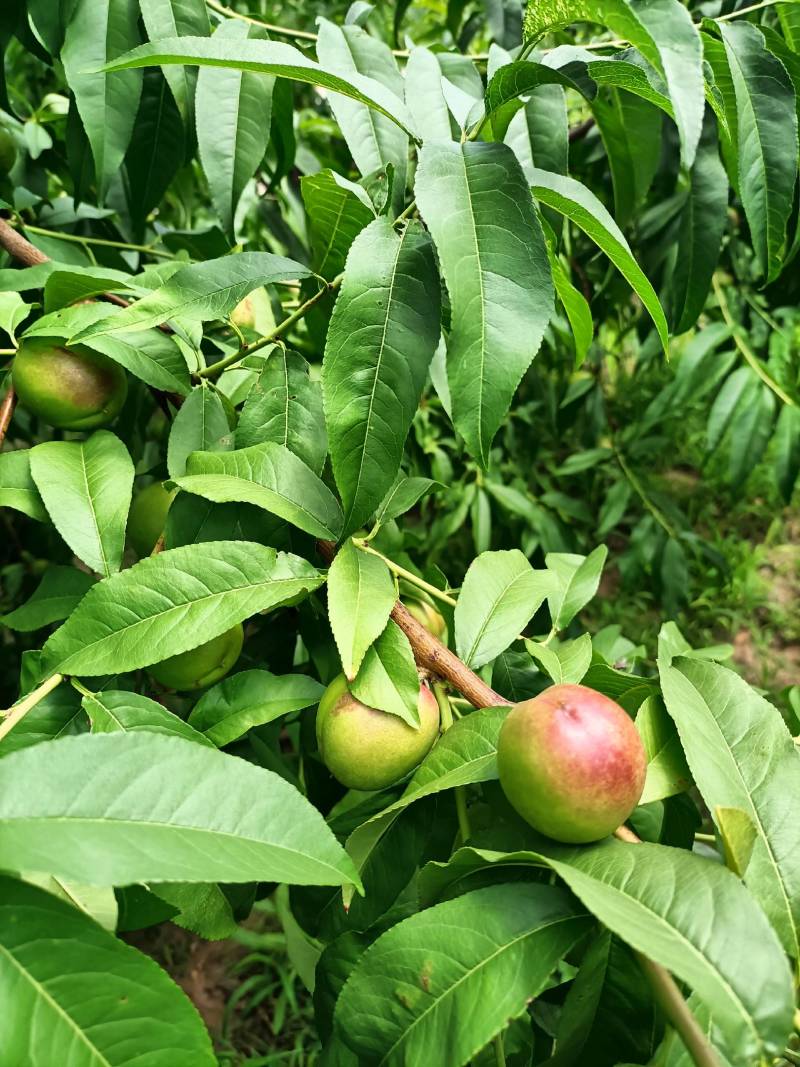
401, 572
17, 713
446, 714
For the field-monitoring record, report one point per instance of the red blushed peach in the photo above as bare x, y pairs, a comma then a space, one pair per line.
571, 763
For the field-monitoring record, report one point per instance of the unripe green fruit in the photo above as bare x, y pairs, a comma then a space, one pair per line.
147, 518
71, 388
254, 312
366, 748
200, 666
8, 151
427, 616
571, 763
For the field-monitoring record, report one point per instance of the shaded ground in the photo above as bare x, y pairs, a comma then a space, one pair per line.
251, 999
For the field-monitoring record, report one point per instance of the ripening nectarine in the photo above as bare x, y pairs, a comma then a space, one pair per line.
571, 763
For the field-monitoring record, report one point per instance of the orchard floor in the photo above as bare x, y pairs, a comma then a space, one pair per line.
251, 999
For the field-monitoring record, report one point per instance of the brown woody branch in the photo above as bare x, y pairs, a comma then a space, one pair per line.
577, 133
431, 654
7, 406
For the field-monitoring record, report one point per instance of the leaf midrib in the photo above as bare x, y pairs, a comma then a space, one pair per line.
450, 991
43, 993
175, 827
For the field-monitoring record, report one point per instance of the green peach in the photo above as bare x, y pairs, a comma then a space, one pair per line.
365, 748
70, 388
571, 763
427, 616
201, 666
147, 517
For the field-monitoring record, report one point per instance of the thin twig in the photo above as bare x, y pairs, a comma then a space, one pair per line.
247, 350
78, 239
750, 357
6, 411
746, 10
640, 491
18, 712
401, 572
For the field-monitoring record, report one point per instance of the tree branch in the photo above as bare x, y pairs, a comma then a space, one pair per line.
7, 406
577, 133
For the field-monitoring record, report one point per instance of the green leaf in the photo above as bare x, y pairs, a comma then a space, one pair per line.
500, 595
160, 809
577, 580
267, 57
338, 210
609, 1013
285, 406
702, 224
56, 596
719, 717
99, 31
538, 132
381, 339
86, 487
17, 487
361, 595
424, 95
473, 197
478, 959
520, 78
577, 309
233, 120
766, 120
203, 909
463, 755
387, 678
567, 662
272, 478
200, 425
750, 430
374, 140
50, 955
663, 32
172, 602
787, 449
667, 770
65, 285
726, 403
251, 698
177, 18
200, 291
98, 902
113, 710
157, 149
681, 911
13, 312
150, 355
404, 494
631, 131
58, 715
582, 207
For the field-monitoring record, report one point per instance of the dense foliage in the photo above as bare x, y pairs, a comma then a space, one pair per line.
447, 302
